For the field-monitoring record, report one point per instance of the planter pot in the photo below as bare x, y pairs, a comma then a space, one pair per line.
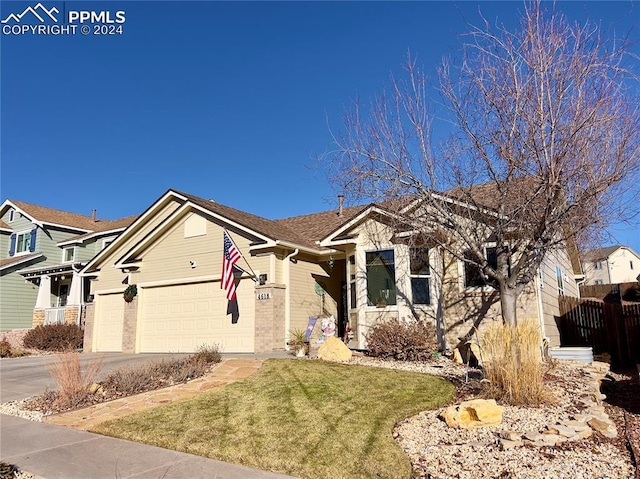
301, 353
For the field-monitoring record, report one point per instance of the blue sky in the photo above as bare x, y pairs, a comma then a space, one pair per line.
224, 100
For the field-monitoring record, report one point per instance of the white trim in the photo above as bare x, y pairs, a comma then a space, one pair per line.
28, 250
83, 238
64, 256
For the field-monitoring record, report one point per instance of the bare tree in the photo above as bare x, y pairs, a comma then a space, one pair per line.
541, 146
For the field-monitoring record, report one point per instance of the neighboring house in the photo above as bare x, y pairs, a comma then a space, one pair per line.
611, 265
42, 251
348, 263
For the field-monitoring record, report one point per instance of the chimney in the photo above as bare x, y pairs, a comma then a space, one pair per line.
93, 215
340, 204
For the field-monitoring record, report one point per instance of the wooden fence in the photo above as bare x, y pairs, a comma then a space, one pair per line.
610, 292
607, 327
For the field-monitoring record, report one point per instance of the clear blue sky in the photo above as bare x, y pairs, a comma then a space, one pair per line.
224, 100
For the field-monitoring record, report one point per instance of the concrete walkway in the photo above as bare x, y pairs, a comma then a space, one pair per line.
50, 451
227, 372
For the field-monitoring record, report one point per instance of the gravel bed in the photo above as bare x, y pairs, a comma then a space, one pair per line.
437, 451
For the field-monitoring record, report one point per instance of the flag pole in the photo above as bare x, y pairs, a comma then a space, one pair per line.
253, 274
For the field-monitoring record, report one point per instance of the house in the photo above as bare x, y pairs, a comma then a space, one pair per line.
42, 251
350, 263
611, 265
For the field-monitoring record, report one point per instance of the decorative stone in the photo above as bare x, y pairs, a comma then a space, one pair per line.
510, 435
533, 436
473, 414
606, 428
96, 388
562, 430
508, 444
457, 357
333, 349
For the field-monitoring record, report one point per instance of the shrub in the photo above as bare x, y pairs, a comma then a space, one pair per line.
54, 337
405, 341
513, 363
209, 354
7, 351
73, 383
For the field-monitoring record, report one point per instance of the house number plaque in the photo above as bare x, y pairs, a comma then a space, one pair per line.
262, 296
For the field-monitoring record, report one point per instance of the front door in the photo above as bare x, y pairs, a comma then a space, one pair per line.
63, 293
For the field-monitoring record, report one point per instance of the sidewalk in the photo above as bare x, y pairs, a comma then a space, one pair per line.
50, 451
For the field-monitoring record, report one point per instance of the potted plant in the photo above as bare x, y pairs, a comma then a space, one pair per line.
298, 342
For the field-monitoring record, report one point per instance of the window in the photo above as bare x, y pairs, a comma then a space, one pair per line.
631, 264
23, 242
106, 242
12, 215
598, 282
68, 254
420, 273
559, 277
381, 278
352, 282
598, 265
473, 276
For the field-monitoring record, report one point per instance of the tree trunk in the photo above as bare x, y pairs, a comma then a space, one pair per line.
508, 300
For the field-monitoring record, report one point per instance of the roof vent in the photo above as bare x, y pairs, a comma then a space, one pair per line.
93, 215
340, 204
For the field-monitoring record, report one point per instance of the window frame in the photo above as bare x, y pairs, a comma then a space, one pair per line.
597, 265
12, 215
394, 288
27, 249
489, 284
560, 280
351, 278
64, 254
420, 276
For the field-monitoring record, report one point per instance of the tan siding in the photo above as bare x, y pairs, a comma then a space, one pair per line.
304, 300
110, 277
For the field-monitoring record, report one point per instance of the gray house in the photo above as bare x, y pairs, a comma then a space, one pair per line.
41, 252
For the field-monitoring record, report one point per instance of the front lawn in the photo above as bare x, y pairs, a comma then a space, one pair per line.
305, 418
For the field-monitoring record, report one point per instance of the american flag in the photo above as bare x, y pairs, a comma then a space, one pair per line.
229, 258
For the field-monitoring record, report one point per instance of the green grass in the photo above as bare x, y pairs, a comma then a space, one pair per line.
309, 419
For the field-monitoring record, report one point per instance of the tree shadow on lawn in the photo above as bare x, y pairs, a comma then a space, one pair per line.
300, 417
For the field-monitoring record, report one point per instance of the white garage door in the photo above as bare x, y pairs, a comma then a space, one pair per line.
109, 316
180, 318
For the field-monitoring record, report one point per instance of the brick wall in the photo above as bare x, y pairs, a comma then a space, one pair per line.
71, 315
89, 315
129, 326
269, 322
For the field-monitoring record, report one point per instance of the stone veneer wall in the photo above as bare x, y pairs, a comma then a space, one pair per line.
71, 315
269, 318
89, 316
38, 318
129, 326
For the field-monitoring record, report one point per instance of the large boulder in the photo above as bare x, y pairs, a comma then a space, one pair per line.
333, 349
473, 414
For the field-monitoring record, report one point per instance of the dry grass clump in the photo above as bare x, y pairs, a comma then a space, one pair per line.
73, 382
513, 363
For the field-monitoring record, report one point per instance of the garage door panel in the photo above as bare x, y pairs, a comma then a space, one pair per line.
108, 323
181, 318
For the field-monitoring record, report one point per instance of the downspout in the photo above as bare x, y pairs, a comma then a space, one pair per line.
287, 296
539, 286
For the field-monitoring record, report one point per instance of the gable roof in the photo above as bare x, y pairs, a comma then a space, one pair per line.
604, 252
17, 260
43, 215
103, 229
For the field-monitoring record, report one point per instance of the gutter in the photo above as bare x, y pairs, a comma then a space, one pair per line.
287, 296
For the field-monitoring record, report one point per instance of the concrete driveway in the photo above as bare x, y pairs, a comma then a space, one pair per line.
29, 376
49, 451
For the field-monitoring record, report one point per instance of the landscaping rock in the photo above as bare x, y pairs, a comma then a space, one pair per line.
333, 349
606, 428
473, 414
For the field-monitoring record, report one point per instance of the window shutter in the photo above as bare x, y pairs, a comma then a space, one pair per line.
32, 245
12, 247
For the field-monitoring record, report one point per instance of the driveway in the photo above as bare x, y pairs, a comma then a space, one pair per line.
55, 452
29, 376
